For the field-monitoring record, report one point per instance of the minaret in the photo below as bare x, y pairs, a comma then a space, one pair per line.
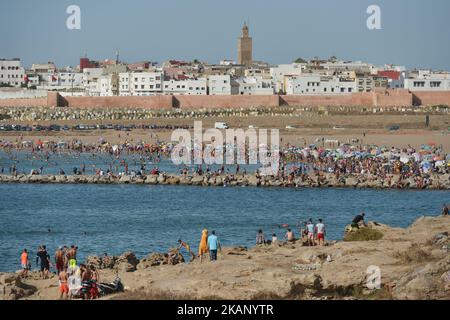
245, 48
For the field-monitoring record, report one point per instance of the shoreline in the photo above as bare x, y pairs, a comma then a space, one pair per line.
392, 182
414, 264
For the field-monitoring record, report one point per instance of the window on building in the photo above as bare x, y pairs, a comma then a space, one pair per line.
342, 89
142, 86
419, 84
136, 79
158, 86
435, 84
350, 89
324, 89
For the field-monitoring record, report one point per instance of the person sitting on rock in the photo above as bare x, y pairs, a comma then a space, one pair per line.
358, 220
182, 244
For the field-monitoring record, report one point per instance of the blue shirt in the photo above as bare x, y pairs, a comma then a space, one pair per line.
213, 242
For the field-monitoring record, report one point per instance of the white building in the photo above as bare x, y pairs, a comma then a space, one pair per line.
319, 85
254, 86
108, 85
426, 80
90, 80
222, 85
63, 81
11, 72
279, 73
142, 83
185, 87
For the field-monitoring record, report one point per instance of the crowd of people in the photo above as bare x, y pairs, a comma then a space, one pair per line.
295, 161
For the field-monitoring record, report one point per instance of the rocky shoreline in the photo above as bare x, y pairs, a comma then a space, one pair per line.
435, 181
414, 263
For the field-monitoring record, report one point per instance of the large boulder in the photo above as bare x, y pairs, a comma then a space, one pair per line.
197, 180
152, 260
152, 179
252, 180
107, 262
175, 256
127, 262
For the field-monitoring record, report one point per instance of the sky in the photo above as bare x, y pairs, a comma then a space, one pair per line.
414, 33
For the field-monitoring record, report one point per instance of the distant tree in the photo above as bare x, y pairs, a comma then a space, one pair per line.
33, 87
5, 85
300, 60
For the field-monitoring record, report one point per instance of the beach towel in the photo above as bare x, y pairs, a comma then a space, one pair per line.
203, 248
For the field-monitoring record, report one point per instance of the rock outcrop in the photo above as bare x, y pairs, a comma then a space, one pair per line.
12, 288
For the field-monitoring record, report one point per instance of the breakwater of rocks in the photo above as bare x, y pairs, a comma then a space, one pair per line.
434, 181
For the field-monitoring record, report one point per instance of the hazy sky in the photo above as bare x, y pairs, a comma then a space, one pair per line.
414, 33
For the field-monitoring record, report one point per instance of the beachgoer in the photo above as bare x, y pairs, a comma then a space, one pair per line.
260, 239
45, 262
59, 260
445, 210
274, 239
213, 246
72, 257
357, 220
95, 276
86, 277
24, 263
63, 285
320, 231
289, 236
310, 229
203, 247
183, 244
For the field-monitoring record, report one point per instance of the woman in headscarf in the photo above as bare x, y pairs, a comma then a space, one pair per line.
203, 247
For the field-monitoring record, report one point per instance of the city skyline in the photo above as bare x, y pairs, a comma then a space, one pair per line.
177, 30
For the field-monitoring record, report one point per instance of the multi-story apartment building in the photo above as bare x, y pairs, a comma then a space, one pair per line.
141, 83
279, 73
316, 84
185, 87
426, 80
90, 80
254, 86
222, 85
11, 72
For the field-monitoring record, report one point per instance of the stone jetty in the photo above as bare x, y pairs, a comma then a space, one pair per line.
434, 181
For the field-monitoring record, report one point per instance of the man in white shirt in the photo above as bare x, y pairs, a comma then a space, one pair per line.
320, 231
